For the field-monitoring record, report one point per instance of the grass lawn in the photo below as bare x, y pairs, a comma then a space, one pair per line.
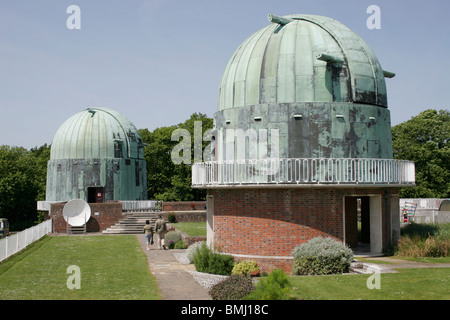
111, 267
193, 229
408, 284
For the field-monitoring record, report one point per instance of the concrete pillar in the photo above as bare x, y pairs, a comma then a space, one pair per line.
376, 238
210, 220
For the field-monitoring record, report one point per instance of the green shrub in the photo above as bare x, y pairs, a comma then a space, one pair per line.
171, 218
424, 240
321, 256
233, 288
246, 268
180, 245
421, 230
275, 287
208, 261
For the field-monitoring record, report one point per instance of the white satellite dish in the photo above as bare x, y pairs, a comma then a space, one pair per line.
77, 212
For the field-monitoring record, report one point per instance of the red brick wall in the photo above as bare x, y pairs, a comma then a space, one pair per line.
272, 222
108, 215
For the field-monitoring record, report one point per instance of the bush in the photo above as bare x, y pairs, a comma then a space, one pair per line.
424, 240
321, 256
171, 218
275, 287
171, 238
180, 245
233, 288
431, 247
208, 261
190, 252
421, 230
246, 268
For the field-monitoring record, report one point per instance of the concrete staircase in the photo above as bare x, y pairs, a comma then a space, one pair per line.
133, 223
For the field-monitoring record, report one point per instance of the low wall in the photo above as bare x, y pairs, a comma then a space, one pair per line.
103, 216
185, 216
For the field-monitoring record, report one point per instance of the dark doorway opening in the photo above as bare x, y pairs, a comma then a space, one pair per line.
95, 194
357, 222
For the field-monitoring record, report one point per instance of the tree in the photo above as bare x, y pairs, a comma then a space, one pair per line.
424, 140
165, 180
22, 183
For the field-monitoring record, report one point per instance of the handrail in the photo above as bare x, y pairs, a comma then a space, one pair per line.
303, 171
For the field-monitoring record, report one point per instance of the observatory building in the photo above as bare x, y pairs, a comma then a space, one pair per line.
96, 156
302, 141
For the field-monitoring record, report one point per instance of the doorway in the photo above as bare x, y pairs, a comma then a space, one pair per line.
362, 223
95, 194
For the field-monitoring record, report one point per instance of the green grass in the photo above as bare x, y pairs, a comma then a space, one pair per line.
408, 284
193, 229
112, 268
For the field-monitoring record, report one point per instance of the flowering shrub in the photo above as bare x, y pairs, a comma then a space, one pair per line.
321, 256
246, 268
171, 238
233, 288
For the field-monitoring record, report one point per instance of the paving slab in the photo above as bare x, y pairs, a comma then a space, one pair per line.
174, 279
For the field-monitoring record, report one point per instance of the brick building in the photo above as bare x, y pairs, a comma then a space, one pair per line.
302, 145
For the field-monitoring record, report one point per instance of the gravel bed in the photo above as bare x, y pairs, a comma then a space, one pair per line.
207, 280
182, 257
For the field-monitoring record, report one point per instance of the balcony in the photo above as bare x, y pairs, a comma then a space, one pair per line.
303, 172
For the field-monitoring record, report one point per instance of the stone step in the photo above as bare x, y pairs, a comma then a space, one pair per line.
133, 223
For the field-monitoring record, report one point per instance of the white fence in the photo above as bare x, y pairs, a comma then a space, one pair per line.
423, 210
304, 171
18, 241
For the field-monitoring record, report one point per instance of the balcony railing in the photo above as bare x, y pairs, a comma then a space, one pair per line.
302, 171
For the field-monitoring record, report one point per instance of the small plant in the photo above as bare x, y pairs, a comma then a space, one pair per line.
246, 268
180, 245
208, 261
321, 256
275, 287
171, 218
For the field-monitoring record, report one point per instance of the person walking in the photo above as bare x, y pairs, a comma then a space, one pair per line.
160, 229
148, 230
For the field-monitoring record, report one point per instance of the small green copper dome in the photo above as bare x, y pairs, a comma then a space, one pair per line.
97, 133
97, 155
303, 58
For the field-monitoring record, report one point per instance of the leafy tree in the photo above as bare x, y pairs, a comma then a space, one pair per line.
166, 180
424, 140
22, 183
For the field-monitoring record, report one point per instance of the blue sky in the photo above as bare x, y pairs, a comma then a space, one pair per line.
159, 61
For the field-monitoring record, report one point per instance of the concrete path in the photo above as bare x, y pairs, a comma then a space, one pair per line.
174, 279
393, 264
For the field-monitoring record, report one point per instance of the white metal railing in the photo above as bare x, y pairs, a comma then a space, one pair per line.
303, 171
141, 205
18, 241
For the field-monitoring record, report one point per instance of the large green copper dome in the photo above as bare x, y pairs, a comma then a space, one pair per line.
302, 58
